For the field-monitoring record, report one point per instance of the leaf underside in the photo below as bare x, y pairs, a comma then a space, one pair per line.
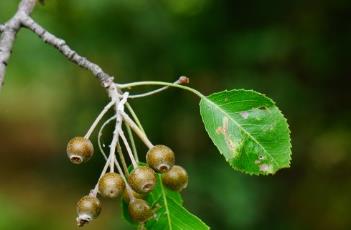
169, 211
248, 129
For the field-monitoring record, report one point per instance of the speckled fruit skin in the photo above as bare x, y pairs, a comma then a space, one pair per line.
89, 206
176, 178
111, 185
161, 158
79, 150
139, 210
142, 179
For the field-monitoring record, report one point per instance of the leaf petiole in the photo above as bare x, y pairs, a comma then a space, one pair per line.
175, 85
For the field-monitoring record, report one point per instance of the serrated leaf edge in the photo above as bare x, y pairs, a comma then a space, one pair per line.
286, 122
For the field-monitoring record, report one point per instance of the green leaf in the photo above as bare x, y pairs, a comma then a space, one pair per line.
173, 216
160, 192
169, 211
248, 129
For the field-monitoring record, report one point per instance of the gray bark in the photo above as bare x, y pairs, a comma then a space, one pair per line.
21, 19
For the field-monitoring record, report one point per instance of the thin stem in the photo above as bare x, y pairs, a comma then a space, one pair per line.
121, 157
129, 190
156, 91
131, 138
135, 117
124, 139
114, 143
181, 80
118, 107
118, 126
119, 149
60, 44
100, 135
141, 83
102, 113
136, 129
96, 188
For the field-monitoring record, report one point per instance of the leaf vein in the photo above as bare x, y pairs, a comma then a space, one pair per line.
243, 129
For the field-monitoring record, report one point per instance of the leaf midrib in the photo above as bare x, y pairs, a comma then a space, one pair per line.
166, 205
240, 127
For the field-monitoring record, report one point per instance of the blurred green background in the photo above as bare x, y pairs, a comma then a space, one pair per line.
297, 52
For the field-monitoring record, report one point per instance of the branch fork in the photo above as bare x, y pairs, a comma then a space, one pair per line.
22, 18
118, 99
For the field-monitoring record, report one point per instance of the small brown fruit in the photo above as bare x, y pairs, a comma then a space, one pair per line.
79, 150
111, 185
139, 210
142, 179
126, 197
160, 158
176, 178
88, 208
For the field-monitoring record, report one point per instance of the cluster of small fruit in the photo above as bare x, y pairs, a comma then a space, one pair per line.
134, 187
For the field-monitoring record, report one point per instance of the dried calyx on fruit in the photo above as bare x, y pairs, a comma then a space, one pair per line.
79, 150
160, 158
136, 185
176, 178
142, 179
111, 185
88, 208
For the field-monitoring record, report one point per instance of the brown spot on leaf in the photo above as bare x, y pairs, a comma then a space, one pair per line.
224, 131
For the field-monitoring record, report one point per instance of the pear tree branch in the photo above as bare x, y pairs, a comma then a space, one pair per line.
8, 34
22, 18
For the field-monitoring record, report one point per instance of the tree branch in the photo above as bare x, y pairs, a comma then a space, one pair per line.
9, 31
70, 54
26, 6
22, 19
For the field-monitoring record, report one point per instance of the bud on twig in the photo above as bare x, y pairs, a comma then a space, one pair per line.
183, 80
